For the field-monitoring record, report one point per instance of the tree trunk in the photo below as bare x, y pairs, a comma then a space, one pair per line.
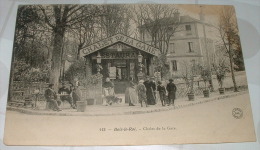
232, 71
78, 51
56, 57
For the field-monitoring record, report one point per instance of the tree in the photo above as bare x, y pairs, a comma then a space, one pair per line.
188, 73
228, 33
116, 19
238, 55
59, 18
220, 68
160, 22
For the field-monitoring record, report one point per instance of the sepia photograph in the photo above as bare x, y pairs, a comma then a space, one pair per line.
127, 74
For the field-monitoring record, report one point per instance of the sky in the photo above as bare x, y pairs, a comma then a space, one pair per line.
211, 11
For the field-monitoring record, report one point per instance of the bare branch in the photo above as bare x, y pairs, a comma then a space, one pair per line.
46, 17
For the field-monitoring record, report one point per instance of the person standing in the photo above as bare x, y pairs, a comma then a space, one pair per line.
149, 91
130, 94
171, 88
162, 92
153, 86
141, 90
51, 97
75, 94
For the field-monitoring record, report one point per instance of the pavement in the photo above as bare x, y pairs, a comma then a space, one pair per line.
125, 109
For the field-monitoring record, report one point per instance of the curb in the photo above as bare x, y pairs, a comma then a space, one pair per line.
33, 112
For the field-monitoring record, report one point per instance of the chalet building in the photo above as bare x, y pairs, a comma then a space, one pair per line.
187, 45
121, 58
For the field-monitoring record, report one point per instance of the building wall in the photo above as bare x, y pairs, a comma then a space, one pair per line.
185, 51
211, 31
185, 47
188, 45
182, 63
185, 30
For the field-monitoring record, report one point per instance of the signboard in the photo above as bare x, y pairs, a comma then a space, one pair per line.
120, 38
119, 55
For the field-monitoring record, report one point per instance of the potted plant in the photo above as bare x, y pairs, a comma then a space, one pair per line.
220, 78
220, 70
81, 106
188, 74
190, 93
205, 75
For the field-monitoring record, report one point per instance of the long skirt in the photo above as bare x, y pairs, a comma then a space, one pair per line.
131, 95
150, 97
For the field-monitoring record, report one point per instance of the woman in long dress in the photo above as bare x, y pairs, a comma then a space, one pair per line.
131, 94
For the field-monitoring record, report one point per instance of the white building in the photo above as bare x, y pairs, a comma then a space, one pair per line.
187, 45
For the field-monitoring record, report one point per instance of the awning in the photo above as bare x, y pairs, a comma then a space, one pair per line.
119, 38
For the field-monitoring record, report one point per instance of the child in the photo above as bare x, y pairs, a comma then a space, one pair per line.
162, 92
141, 90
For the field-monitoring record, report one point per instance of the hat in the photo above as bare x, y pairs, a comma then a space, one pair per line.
171, 80
141, 81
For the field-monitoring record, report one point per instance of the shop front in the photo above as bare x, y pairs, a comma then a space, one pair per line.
121, 58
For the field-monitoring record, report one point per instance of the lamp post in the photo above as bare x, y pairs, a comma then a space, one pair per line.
98, 63
140, 73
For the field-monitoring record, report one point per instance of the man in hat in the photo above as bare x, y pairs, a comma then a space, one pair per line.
162, 92
141, 90
171, 88
51, 97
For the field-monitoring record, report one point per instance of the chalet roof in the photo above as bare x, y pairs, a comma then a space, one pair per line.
119, 38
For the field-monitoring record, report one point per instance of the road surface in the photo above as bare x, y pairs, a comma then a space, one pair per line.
205, 123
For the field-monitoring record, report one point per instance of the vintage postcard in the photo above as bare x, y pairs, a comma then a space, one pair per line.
127, 74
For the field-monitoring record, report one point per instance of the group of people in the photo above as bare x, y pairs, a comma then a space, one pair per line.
71, 95
145, 92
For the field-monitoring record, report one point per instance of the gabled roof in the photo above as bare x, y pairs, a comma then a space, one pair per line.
119, 38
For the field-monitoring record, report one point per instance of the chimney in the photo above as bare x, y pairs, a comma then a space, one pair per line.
202, 16
177, 16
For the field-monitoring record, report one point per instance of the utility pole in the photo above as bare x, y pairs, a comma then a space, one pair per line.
206, 48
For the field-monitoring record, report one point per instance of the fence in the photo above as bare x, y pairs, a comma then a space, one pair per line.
183, 89
28, 91
34, 92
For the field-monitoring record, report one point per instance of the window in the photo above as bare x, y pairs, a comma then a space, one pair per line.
190, 44
188, 27
174, 65
172, 48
